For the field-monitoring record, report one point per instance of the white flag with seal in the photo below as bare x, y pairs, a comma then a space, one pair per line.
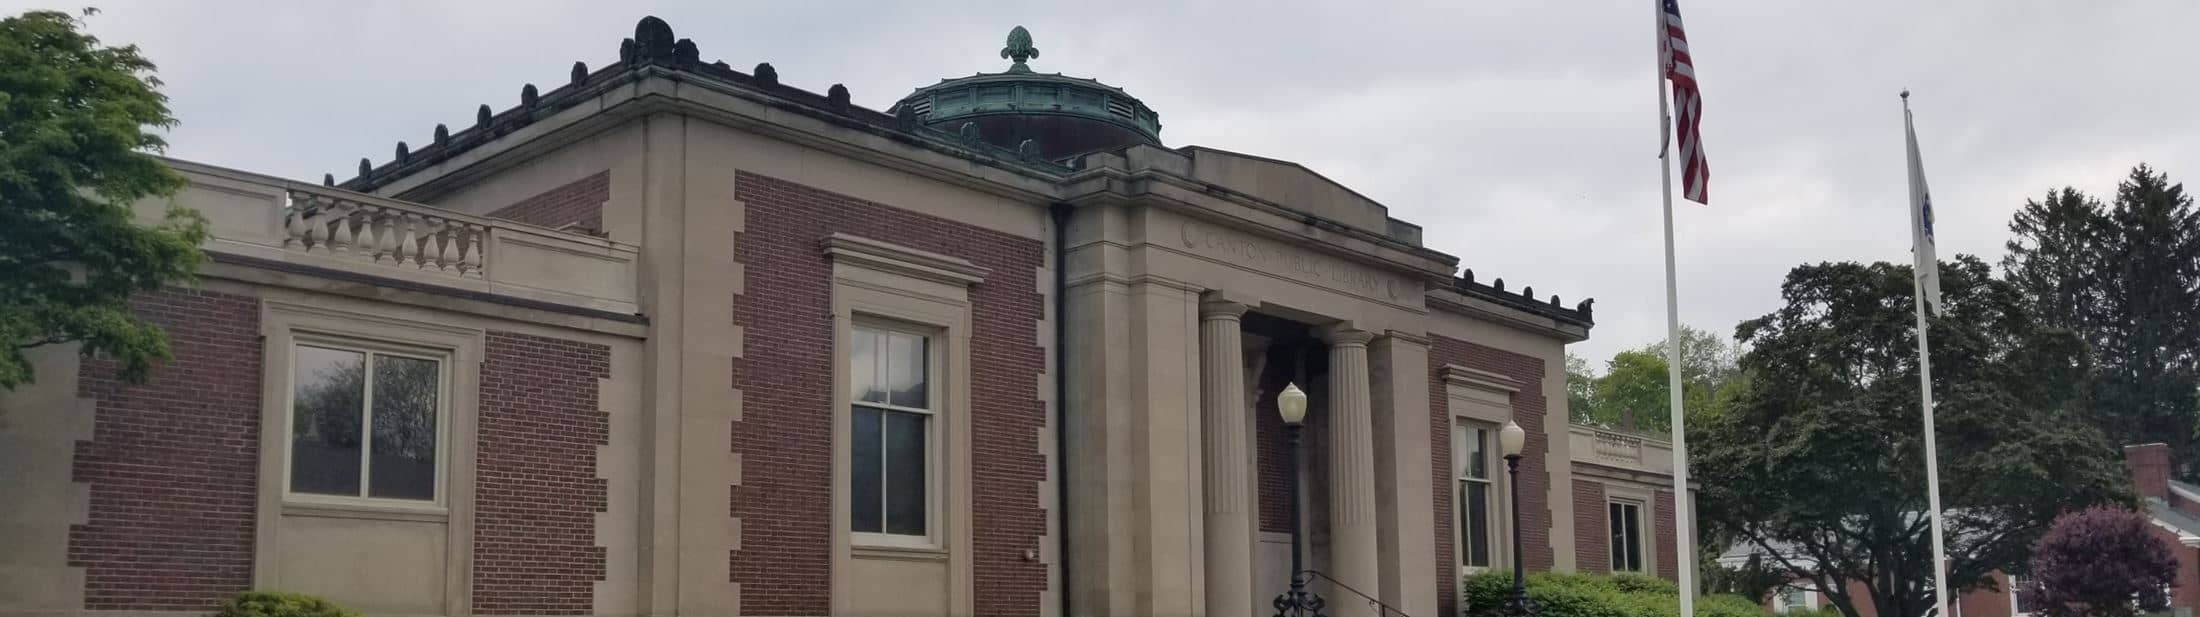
1927, 265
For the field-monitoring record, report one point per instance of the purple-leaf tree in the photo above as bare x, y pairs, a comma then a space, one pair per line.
2102, 562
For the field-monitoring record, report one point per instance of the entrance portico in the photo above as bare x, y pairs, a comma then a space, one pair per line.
1181, 305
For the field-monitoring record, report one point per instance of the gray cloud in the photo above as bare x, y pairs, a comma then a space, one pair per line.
1519, 134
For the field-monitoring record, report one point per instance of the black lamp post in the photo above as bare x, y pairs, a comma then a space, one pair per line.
1512, 440
1298, 602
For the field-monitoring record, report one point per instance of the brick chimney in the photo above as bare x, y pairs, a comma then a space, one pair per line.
2149, 465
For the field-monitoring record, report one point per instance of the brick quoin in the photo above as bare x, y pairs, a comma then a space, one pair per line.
536, 494
1535, 479
173, 463
785, 375
577, 204
1592, 532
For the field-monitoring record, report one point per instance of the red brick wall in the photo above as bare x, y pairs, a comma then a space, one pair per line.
536, 493
1535, 479
1272, 468
578, 203
173, 463
1592, 532
785, 375
1667, 553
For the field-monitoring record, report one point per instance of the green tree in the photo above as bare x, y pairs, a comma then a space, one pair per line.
76, 125
2054, 258
2124, 277
1820, 463
1580, 389
1633, 389
2149, 333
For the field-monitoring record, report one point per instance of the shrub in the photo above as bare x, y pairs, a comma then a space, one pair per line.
2102, 562
1589, 595
280, 604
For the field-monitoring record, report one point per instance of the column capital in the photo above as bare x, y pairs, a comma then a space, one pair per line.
1342, 333
1221, 309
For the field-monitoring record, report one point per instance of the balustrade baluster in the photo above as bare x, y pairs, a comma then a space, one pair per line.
341, 235
477, 238
408, 240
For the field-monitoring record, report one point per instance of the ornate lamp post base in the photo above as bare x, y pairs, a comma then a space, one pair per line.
1298, 602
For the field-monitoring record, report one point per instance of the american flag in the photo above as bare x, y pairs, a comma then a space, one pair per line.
1688, 105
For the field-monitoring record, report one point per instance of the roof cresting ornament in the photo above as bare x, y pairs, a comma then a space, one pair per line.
1019, 49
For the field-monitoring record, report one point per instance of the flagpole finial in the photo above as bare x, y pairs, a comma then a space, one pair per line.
1905, 94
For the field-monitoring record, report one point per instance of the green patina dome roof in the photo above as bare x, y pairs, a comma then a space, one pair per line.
1063, 115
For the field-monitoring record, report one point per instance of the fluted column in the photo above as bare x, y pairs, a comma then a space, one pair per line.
1224, 420
1352, 521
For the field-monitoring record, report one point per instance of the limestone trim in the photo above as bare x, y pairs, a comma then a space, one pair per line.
1460, 376
894, 298
901, 260
283, 324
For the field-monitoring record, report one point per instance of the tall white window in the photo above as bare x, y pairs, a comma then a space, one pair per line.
2016, 597
1625, 517
1473, 459
890, 372
365, 422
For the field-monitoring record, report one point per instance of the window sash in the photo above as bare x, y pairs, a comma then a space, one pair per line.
1476, 537
877, 397
370, 355
1625, 519
1475, 545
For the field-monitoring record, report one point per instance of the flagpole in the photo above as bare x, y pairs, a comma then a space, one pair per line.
1684, 543
1925, 375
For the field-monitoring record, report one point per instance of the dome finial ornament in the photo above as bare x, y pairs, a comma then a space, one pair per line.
1019, 49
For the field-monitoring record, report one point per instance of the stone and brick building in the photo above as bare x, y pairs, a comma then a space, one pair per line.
677, 339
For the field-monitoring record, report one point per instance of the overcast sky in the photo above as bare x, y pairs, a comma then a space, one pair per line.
1520, 134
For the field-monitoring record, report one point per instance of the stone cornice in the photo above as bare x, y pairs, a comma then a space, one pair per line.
876, 255
1513, 316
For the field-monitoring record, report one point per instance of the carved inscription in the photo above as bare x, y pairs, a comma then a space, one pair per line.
1278, 258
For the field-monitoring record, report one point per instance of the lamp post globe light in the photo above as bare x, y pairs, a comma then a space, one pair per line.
1512, 440
1297, 602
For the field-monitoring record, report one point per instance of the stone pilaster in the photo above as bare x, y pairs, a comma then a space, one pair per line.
1352, 513
1224, 424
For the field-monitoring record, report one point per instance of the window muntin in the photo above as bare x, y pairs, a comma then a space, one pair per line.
365, 423
893, 403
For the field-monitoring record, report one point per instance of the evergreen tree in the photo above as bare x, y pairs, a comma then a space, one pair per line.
2125, 278
2055, 259
2149, 333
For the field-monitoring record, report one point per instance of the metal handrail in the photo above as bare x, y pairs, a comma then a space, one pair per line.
1383, 609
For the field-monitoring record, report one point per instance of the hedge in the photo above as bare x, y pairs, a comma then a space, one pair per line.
280, 604
1589, 595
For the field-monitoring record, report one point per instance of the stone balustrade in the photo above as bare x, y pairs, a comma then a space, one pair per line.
404, 237
1618, 448
268, 220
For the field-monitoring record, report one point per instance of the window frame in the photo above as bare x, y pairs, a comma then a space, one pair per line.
370, 349
1636, 533
2016, 606
1781, 606
1494, 482
935, 413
